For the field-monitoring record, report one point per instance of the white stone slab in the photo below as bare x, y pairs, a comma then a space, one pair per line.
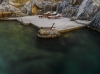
60, 24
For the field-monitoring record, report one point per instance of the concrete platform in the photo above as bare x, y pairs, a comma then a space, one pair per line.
62, 24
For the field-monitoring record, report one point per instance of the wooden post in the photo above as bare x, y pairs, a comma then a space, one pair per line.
52, 26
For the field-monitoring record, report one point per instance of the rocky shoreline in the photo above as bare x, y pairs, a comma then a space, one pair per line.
74, 9
86, 10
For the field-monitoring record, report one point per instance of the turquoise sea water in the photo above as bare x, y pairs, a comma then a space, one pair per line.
22, 52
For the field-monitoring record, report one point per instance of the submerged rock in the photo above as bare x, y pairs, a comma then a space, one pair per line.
47, 33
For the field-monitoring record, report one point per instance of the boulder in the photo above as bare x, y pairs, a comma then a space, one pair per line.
47, 33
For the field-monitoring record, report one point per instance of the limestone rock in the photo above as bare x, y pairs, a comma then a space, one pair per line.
89, 11
68, 8
62, 5
69, 11
5, 6
35, 5
95, 24
17, 3
27, 8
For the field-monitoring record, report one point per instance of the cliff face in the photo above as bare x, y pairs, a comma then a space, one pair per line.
28, 6
82, 10
45, 6
89, 11
19, 6
68, 8
62, 5
95, 24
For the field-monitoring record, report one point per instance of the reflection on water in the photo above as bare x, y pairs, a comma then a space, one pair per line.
22, 52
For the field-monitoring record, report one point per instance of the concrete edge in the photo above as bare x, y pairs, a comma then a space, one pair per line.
61, 31
68, 30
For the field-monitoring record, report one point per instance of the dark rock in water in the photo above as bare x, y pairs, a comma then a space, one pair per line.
95, 24
47, 33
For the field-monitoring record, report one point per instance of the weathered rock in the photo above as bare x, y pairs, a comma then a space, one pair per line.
69, 11
95, 24
27, 8
75, 2
5, 6
45, 6
89, 10
49, 6
73, 18
17, 3
68, 8
47, 33
62, 5
79, 9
